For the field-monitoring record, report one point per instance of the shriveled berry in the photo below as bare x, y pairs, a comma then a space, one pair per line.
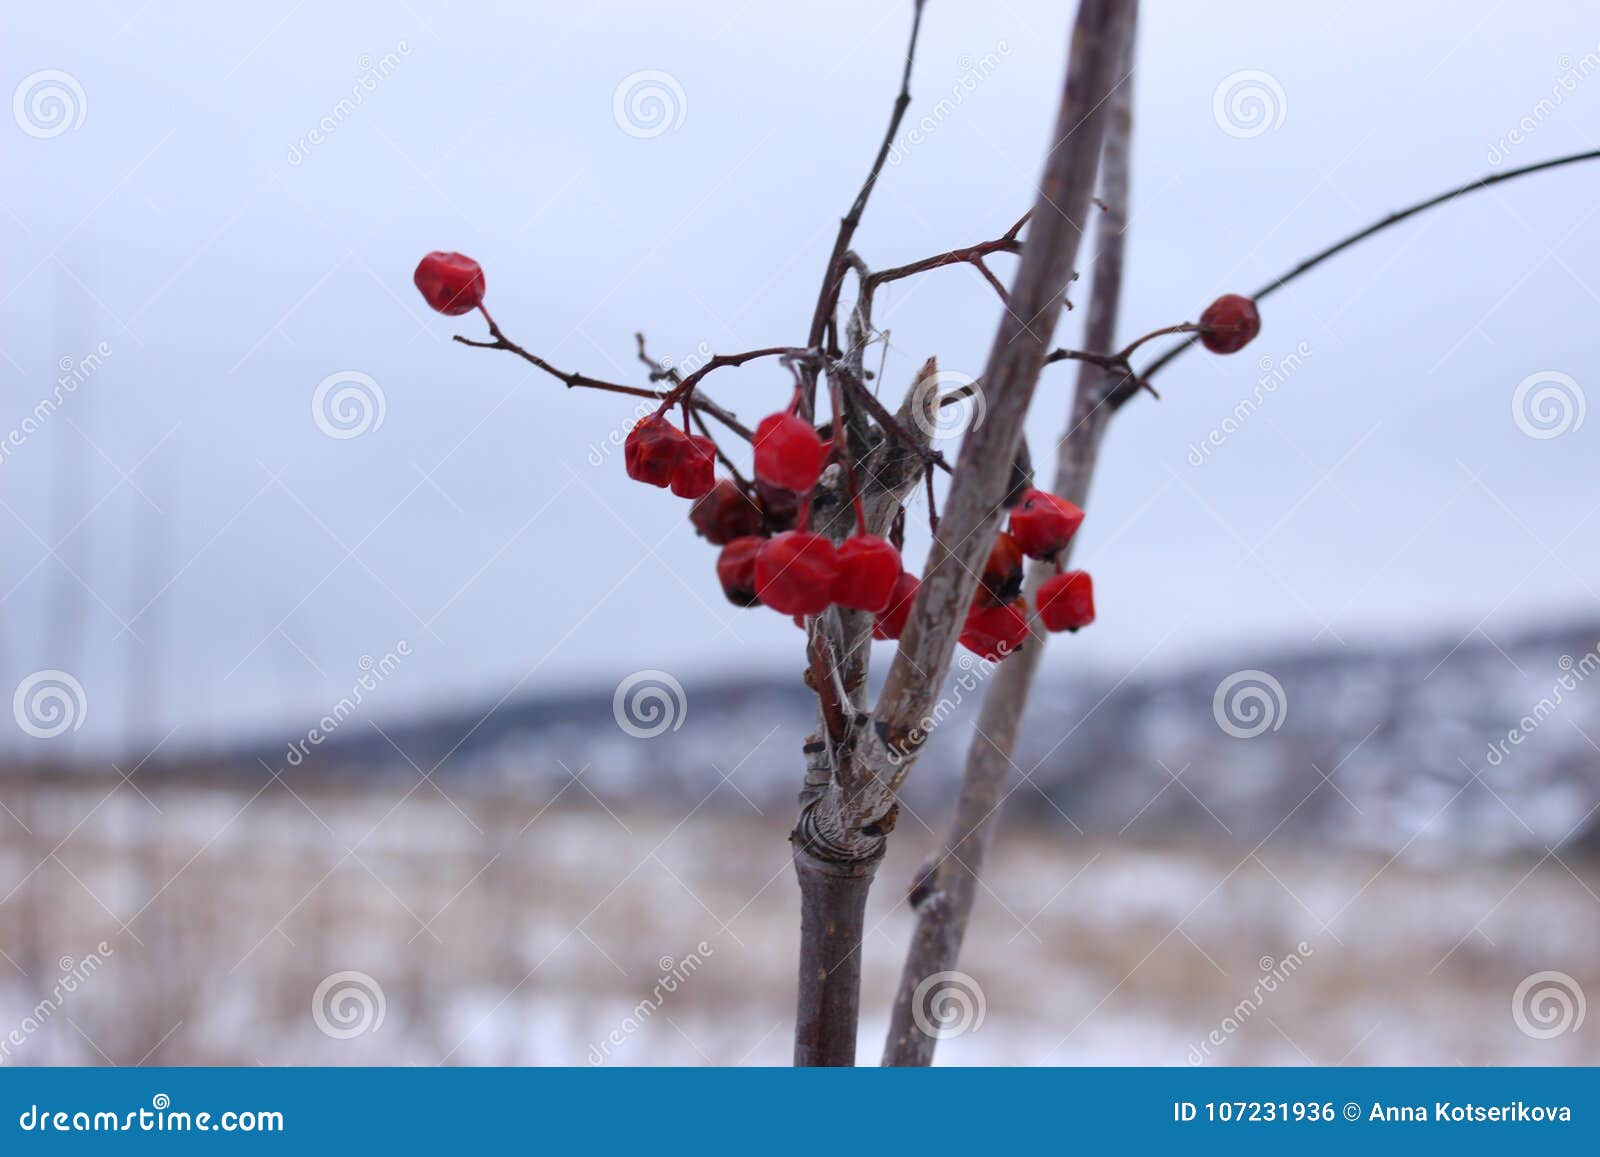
696, 472
1066, 601
891, 621
1230, 322
653, 449
1002, 572
780, 507
795, 572
788, 452
1043, 523
995, 632
868, 568
451, 283
736, 570
725, 514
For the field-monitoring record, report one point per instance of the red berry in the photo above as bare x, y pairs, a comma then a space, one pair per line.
995, 632
696, 472
780, 507
1002, 572
1066, 601
736, 570
725, 514
788, 452
795, 573
653, 450
891, 621
868, 569
1043, 523
450, 282
1230, 323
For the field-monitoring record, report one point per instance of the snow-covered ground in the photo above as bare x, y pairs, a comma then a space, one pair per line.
493, 929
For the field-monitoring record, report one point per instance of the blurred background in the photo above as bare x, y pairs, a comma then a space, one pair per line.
364, 712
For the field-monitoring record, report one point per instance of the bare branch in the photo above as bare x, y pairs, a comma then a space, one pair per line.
833, 275
886, 752
583, 381
1379, 226
972, 254
945, 898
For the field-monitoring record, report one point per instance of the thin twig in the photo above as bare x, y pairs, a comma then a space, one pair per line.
833, 275
1379, 226
971, 254
891, 425
583, 381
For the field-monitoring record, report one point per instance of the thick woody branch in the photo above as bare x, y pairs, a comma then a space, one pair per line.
834, 880
966, 531
945, 900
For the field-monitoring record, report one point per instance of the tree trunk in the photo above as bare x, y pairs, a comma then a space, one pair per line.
833, 904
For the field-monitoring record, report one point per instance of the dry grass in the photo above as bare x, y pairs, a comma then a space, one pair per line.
511, 931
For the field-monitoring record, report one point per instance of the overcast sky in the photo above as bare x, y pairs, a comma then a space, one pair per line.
229, 563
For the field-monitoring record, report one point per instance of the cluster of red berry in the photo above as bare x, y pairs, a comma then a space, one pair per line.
768, 556
997, 623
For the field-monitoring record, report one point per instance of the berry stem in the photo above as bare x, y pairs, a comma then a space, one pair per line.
733, 470
685, 388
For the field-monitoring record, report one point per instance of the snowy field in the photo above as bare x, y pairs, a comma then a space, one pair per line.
195, 926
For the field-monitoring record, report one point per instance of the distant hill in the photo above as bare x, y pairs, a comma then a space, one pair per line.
1395, 748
